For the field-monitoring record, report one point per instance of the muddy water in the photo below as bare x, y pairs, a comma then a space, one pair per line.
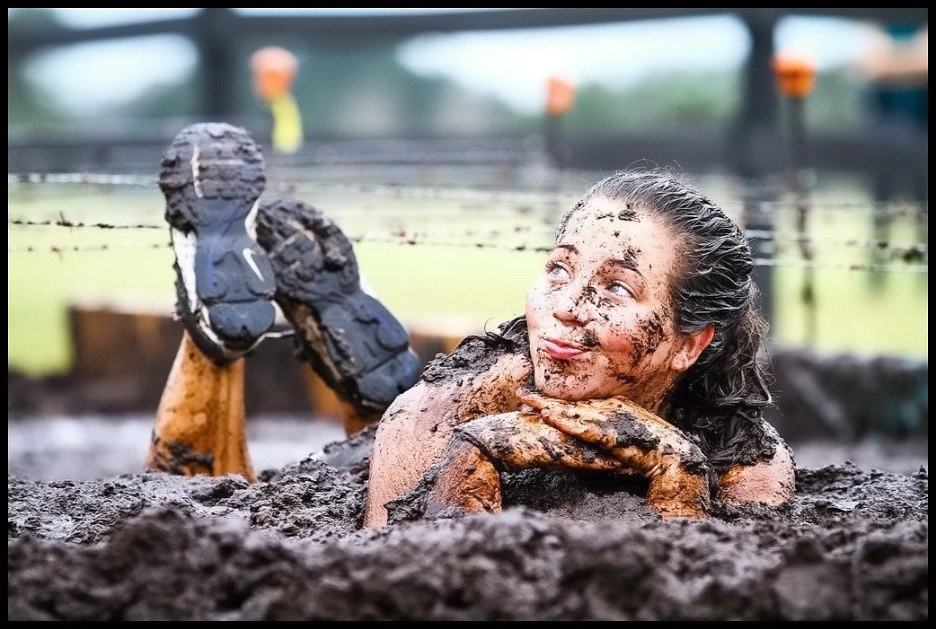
853, 545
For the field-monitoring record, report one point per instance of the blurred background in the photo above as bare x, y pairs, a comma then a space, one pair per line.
446, 143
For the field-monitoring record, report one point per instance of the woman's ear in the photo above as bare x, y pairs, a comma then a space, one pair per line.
694, 343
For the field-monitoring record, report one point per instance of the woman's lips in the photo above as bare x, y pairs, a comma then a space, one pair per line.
561, 350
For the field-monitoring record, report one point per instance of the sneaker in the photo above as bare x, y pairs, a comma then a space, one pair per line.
212, 178
351, 340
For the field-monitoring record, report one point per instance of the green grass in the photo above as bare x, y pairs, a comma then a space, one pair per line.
477, 285
856, 310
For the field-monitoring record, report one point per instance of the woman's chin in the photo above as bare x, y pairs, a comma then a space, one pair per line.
561, 389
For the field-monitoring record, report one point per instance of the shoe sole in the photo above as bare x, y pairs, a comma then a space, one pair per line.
351, 340
212, 176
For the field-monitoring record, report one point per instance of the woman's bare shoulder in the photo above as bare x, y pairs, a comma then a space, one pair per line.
479, 377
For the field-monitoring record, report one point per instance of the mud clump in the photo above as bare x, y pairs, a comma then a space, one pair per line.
852, 546
476, 353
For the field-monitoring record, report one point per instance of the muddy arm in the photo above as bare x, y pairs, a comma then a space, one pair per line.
640, 441
415, 431
666, 455
770, 482
406, 444
468, 478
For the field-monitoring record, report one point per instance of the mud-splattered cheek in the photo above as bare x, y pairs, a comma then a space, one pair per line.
631, 344
534, 316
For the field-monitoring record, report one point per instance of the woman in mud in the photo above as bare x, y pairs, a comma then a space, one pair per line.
638, 354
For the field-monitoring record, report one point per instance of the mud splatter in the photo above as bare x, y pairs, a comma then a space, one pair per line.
651, 335
179, 457
629, 256
589, 339
477, 353
631, 432
628, 213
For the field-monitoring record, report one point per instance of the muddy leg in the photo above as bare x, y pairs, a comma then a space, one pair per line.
468, 479
200, 421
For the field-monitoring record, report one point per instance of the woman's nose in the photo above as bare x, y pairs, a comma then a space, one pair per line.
574, 306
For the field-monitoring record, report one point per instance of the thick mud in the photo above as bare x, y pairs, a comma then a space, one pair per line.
853, 545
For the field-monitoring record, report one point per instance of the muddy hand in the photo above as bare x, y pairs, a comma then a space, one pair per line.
640, 440
468, 478
615, 425
591, 423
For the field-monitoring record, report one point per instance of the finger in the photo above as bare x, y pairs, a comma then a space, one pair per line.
548, 412
584, 426
635, 412
581, 412
567, 425
531, 398
519, 442
538, 400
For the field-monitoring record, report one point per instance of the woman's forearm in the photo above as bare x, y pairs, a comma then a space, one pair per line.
468, 479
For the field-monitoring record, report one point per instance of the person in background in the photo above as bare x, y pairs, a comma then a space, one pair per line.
274, 70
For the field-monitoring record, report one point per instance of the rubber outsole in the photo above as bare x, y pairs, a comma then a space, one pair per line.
351, 340
212, 176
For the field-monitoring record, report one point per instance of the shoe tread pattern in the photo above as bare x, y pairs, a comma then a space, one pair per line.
351, 339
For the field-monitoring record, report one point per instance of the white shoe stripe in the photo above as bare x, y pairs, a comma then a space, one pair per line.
248, 252
196, 152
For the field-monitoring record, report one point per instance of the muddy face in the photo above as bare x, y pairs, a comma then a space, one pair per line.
600, 319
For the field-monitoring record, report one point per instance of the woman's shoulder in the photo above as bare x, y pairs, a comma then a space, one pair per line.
478, 352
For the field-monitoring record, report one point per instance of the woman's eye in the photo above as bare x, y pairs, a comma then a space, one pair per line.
556, 271
619, 289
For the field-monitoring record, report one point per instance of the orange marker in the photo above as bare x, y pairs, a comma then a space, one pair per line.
274, 69
560, 96
796, 76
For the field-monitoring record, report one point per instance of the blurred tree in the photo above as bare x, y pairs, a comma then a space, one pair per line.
835, 106
656, 102
362, 89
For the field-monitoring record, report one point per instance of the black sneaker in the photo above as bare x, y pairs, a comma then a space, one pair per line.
212, 177
351, 340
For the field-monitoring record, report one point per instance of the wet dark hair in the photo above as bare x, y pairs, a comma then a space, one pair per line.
721, 398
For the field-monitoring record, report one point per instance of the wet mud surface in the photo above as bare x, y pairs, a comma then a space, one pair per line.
853, 545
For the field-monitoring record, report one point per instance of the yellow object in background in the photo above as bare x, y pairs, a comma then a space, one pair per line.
287, 124
274, 69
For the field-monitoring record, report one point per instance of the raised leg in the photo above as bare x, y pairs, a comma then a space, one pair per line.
199, 425
212, 177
